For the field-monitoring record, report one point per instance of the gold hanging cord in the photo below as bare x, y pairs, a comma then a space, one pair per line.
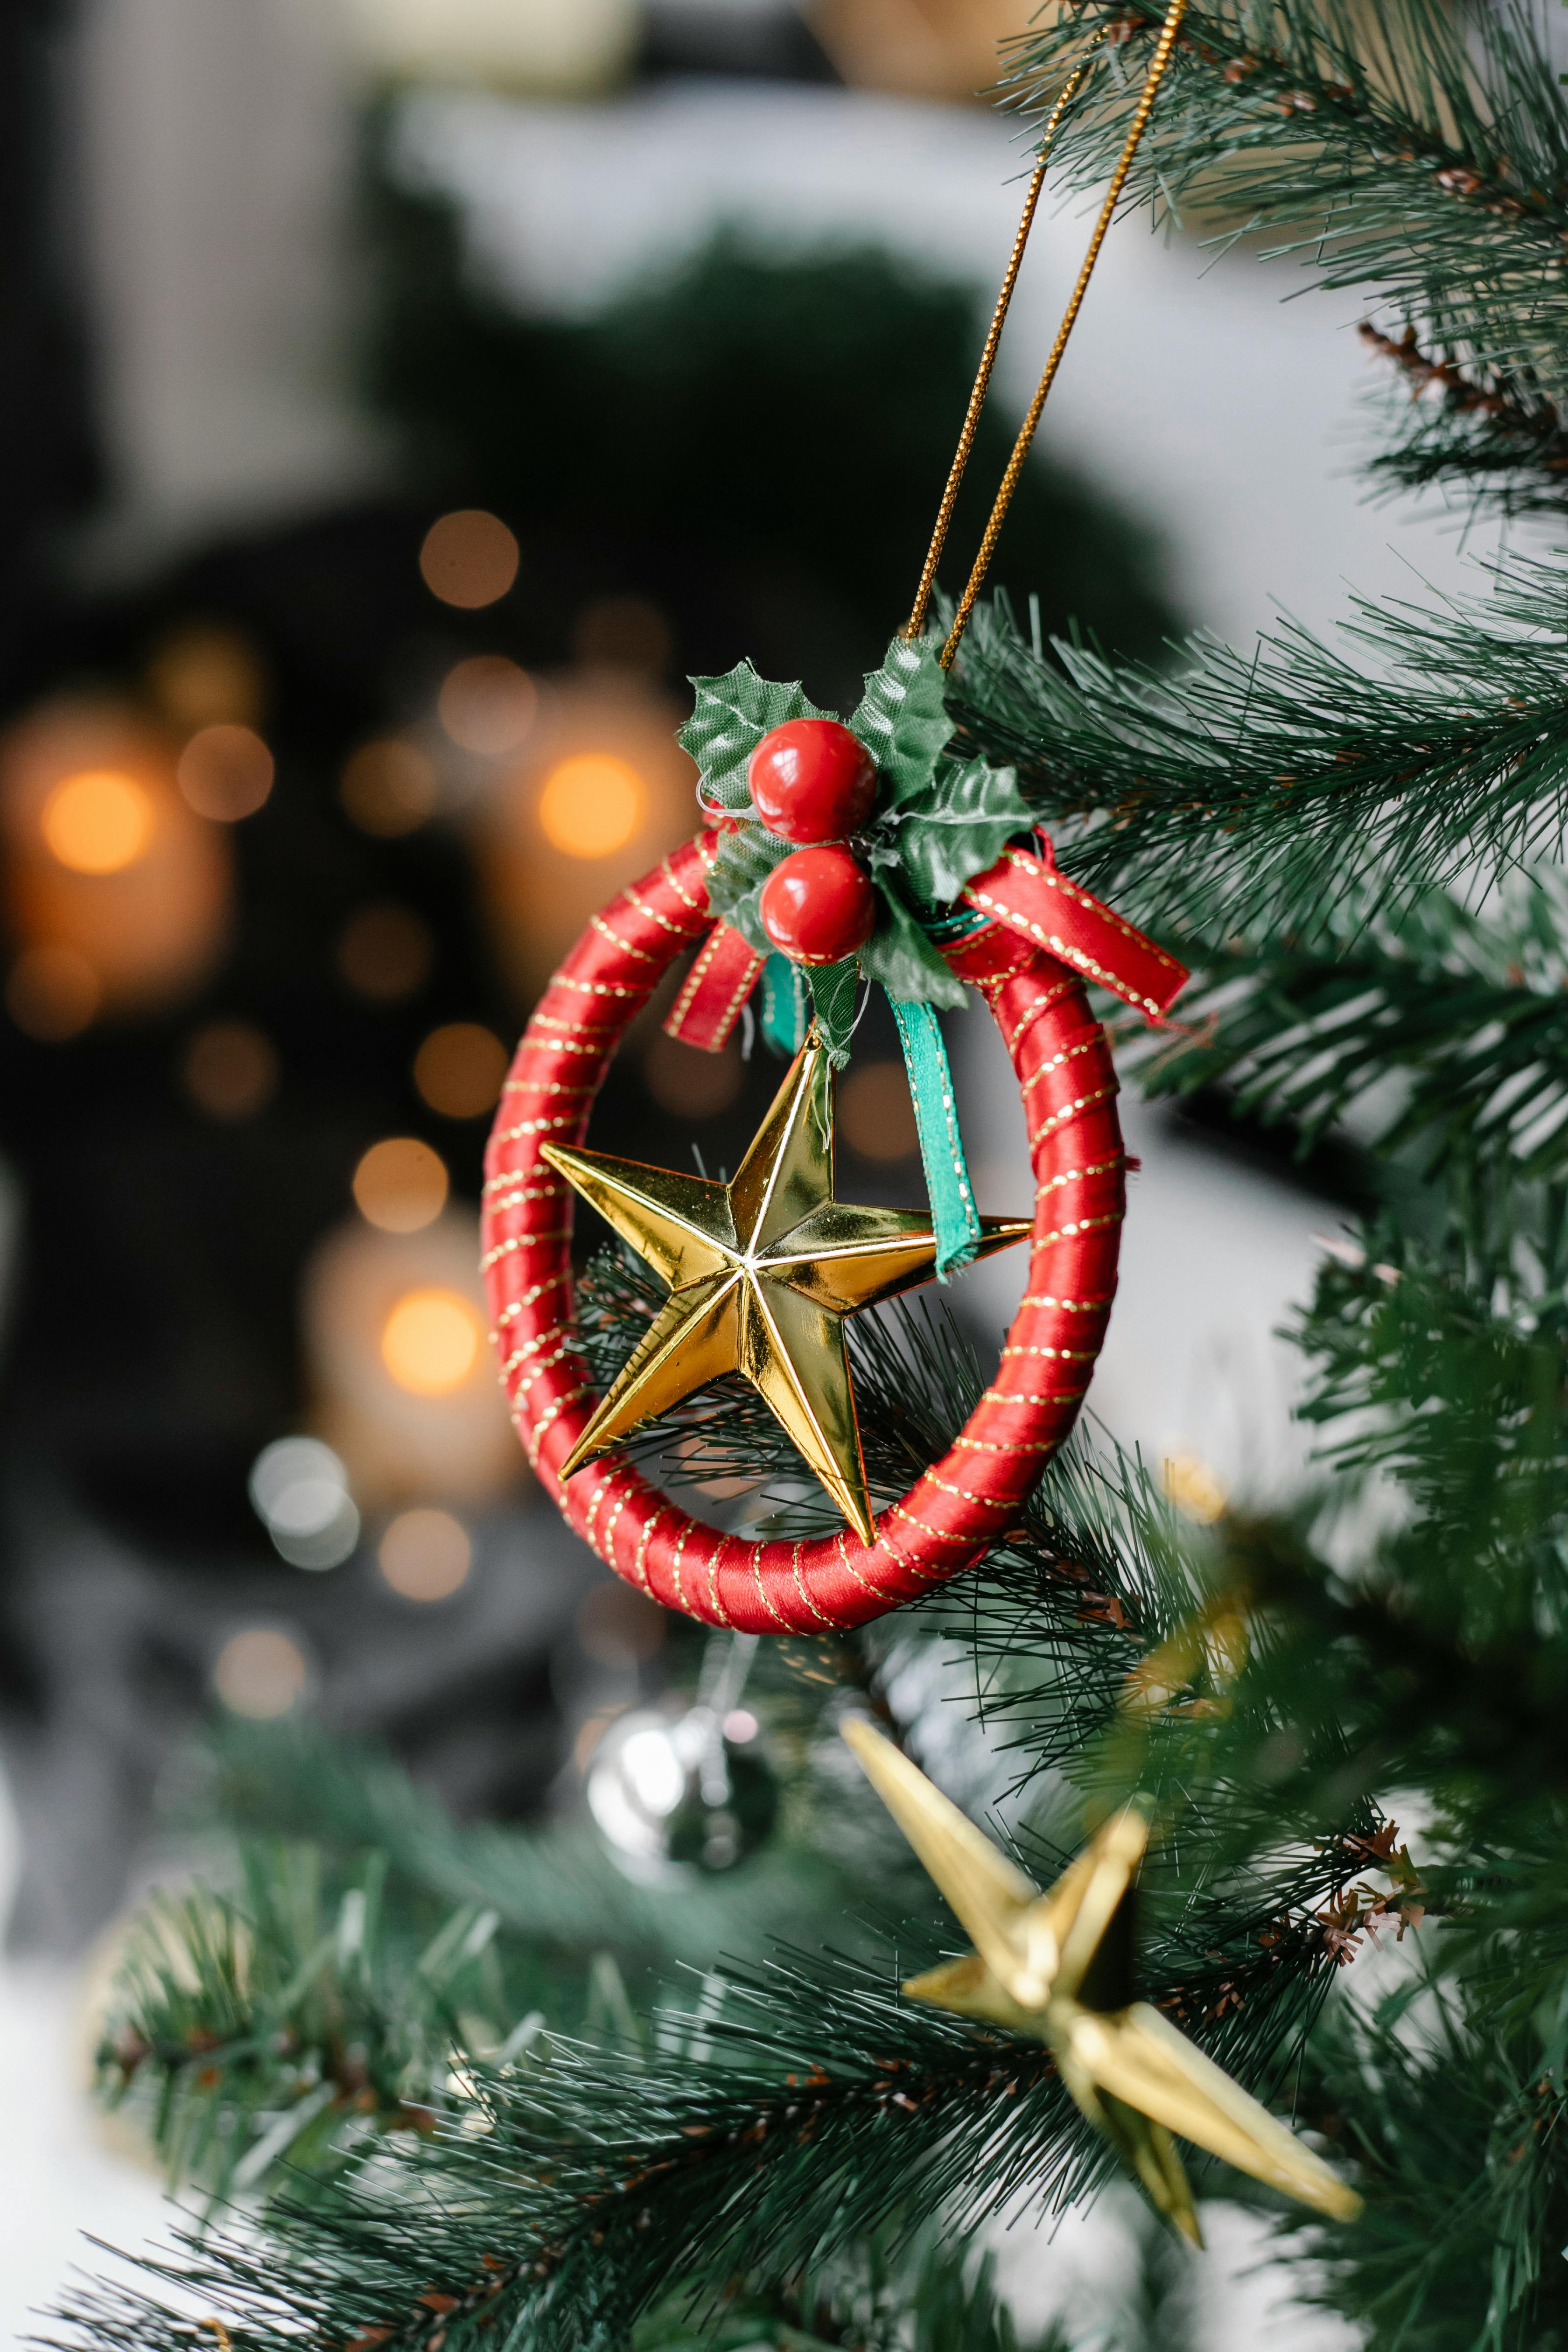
1146, 107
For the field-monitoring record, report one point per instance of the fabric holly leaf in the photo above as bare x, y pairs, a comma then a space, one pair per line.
964, 823
742, 863
902, 719
899, 955
834, 989
732, 714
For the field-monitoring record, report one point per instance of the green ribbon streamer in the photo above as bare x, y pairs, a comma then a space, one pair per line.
954, 1212
783, 1005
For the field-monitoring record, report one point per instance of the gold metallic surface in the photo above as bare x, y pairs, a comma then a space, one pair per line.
1057, 1967
761, 1272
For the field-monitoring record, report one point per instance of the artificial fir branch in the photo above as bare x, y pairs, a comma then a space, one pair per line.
1442, 1034
1416, 149
1244, 797
1470, 430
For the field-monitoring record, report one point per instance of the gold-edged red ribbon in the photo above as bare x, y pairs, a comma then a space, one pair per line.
725, 972
1027, 891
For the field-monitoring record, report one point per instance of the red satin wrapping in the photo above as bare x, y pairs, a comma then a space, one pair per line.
723, 973
963, 1503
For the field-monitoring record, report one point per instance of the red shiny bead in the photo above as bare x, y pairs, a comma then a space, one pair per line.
820, 906
812, 781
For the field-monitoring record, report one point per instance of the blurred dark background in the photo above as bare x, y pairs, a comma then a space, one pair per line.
301, 804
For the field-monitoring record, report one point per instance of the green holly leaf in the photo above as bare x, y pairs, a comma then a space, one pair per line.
834, 989
902, 720
743, 863
961, 827
899, 955
733, 715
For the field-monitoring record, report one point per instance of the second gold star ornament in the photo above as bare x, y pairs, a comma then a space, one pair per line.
1059, 1968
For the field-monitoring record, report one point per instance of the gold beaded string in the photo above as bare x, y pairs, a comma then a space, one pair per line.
1146, 107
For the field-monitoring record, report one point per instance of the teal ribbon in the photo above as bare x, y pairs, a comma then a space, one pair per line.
783, 1005
954, 1212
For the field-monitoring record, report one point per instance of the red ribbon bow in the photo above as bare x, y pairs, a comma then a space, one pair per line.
1030, 893
1025, 890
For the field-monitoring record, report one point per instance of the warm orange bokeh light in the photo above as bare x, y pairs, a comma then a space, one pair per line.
390, 787
425, 1555
469, 559
460, 1069
488, 705
591, 805
98, 822
226, 772
400, 1185
231, 1070
430, 1343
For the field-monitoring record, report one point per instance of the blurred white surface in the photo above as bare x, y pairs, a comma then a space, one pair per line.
65, 2178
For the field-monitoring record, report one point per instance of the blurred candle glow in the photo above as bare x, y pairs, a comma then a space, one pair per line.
401, 1379
591, 806
106, 861
97, 823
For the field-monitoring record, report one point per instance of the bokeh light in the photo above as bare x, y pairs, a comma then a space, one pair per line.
389, 787
386, 953
686, 1081
430, 1343
230, 1069
460, 1069
425, 1555
300, 1491
591, 805
876, 1116
469, 559
206, 674
400, 1185
402, 1445
488, 705
52, 993
261, 1674
226, 772
97, 823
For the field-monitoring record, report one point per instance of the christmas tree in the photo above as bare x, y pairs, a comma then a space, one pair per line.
444, 2088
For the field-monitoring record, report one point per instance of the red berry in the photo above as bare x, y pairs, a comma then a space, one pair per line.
812, 780
820, 906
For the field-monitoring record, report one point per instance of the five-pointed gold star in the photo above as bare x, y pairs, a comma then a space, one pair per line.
761, 1274
1058, 1966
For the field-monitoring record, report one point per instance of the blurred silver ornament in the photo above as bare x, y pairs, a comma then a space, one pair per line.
677, 1795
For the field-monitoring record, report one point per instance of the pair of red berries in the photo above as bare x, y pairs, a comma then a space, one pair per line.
813, 782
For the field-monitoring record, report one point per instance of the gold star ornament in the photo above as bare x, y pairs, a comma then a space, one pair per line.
1059, 1968
762, 1273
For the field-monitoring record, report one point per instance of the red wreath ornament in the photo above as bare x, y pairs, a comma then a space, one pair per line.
1041, 933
